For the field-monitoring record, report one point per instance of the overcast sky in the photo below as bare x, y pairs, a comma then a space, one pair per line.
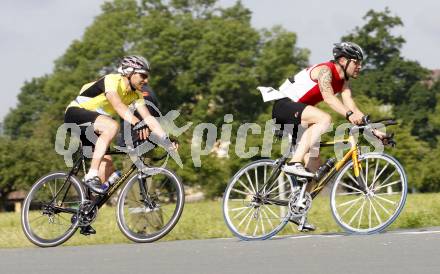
35, 33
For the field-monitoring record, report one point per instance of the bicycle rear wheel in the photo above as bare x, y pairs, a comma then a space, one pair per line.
150, 205
48, 212
371, 211
251, 215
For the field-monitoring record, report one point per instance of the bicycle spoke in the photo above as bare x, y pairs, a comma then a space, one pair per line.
51, 190
245, 217
375, 211
388, 193
361, 214
350, 207
366, 172
241, 212
352, 178
36, 218
268, 219
349, 202
390, 184
375, 170
369, 213
350, 187
349, 193
281, 193
256, 221
383, 208
256, 178
383, 169
243, 185
242, 192
250, 181
355, 215
385, 200
238, 208
383, 182
249, 221
273, 213
265, 173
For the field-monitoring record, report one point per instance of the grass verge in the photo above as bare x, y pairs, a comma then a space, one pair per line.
204, 220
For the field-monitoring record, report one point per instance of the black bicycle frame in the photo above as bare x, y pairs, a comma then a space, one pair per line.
100, 199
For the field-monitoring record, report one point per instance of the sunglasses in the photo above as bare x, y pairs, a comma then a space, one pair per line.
356, 62
144, 75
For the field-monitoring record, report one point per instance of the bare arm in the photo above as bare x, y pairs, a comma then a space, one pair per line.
325, 86
120, 107
348, 100
150, 120
126, 114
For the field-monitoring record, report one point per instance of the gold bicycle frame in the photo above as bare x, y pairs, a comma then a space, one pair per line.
353, 153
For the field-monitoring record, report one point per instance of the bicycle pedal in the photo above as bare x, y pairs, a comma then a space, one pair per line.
87, 230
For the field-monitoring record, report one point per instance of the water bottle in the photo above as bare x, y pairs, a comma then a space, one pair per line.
324, 168
111, 180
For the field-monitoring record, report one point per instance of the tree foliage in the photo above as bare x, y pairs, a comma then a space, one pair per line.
207, 62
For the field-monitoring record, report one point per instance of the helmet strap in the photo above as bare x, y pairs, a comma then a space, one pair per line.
344, 69
129, 81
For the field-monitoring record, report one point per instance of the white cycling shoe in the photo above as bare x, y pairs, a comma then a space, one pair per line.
297, 169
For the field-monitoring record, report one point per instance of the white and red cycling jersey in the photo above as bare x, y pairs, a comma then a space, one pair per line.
306, 90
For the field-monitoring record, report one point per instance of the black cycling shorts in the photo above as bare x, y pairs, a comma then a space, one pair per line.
82, 117
288, 114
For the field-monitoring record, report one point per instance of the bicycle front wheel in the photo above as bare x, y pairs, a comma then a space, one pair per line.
49, 210
251, 214
150, 205
372, 209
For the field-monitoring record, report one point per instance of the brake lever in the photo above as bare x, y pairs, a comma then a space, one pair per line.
388, 140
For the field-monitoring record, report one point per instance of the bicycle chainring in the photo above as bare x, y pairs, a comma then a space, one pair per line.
299, 209
87, 213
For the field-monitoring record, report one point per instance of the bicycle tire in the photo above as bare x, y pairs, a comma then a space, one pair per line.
385, 197
266, 215
150, 223
60, 221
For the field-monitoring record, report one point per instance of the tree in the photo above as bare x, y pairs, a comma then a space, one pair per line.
206, 62
31, 103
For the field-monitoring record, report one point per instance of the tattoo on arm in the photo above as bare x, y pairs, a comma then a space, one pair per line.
325, 81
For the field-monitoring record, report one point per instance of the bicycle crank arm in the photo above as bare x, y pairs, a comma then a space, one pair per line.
276, 202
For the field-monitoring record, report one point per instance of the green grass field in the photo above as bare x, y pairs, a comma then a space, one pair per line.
204, 220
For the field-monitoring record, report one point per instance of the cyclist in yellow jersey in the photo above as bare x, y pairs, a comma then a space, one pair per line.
100, 101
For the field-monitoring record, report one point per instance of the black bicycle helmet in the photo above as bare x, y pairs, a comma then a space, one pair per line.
349, 50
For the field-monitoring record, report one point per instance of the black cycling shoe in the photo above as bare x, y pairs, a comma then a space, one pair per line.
87, 230
305, 227
95, 185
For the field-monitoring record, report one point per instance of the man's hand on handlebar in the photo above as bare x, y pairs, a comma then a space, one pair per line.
142, 130
356, 118
175, 143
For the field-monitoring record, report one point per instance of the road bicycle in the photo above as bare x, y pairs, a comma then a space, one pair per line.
148, 206
368, 193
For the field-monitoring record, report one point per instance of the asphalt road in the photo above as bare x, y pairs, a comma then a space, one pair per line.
406, 251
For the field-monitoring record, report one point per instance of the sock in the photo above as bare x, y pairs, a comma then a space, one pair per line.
92, 173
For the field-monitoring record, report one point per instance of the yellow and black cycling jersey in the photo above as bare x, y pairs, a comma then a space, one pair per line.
92, 95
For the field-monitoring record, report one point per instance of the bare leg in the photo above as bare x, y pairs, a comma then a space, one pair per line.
312, 163
106, 168
107, 128
320, 122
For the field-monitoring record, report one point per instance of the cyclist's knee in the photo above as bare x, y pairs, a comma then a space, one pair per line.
325, 121
111, 128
